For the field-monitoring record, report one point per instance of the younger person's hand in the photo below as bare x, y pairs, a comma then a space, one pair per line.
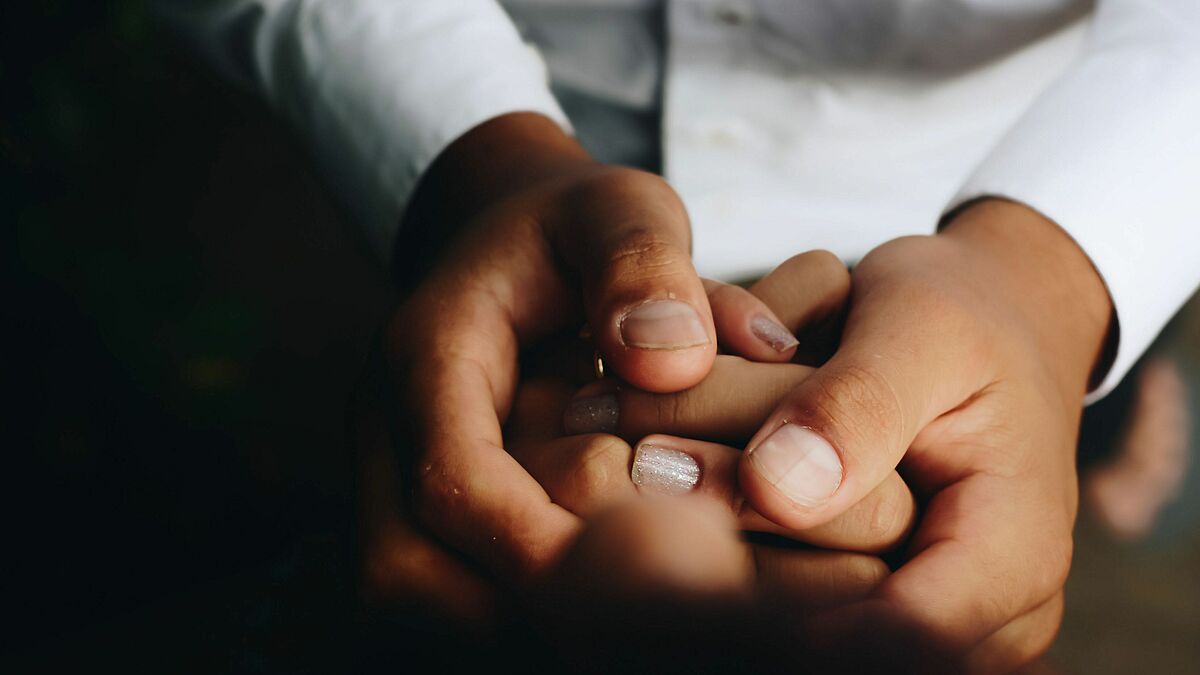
964, 362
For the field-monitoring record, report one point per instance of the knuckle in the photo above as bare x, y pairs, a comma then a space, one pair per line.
886, 522
727, 295
866, 572
825, 265
601, 466
644, 254
819, 267
859, 397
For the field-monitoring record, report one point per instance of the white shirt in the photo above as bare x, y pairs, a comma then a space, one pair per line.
787, 125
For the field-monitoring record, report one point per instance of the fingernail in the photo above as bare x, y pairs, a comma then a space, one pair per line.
801, 464
776, 336
592, 415
663, 324
664, 470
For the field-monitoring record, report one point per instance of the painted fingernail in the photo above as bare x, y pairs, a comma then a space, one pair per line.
663, 324
664, 470
776, 336
801, 464
592, 415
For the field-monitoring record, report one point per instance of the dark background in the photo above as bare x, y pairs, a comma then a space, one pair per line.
187, 313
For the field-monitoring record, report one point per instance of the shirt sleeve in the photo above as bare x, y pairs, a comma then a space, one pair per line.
1111, 153
378, 88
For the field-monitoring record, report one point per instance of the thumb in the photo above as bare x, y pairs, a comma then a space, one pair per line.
646, 306
843, 430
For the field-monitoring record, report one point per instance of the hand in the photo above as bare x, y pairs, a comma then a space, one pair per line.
668, 586
590, 474
538, 224
965, 359
408, 571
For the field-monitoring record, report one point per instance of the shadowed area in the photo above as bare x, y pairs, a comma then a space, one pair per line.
189, 313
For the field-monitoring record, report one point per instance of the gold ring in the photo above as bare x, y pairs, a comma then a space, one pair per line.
598, 365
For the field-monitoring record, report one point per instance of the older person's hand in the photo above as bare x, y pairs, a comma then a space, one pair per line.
540, 237
406, 567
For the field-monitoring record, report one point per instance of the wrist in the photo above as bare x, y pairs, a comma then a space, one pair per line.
1049, 281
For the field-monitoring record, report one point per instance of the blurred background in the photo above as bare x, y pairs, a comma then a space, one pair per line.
188, 314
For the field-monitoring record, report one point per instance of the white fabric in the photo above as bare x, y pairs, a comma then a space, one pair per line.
787, 124
378, 87
1112, 154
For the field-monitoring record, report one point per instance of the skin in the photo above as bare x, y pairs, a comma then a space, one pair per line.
589, 475
529, 239
964, 363
405, 568
540, 238
965, 354
665, 583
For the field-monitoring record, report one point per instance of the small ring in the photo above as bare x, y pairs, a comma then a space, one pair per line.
598, 365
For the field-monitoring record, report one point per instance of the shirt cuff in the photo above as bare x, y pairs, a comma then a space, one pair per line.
1112, 154
387, 86
377, 88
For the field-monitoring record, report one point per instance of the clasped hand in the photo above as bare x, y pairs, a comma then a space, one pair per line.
962, 364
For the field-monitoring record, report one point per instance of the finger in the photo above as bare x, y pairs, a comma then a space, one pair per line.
537, 413
583, 474
870, 636
647, 309
879, 523
903, 361
645, 549
402, 567
671, 465
808, 293
728, 405
989, 548
808, 579
668, 581
671, 583
406, 570
458, 375
590, 473
746, 326
805, 289
1020, 642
